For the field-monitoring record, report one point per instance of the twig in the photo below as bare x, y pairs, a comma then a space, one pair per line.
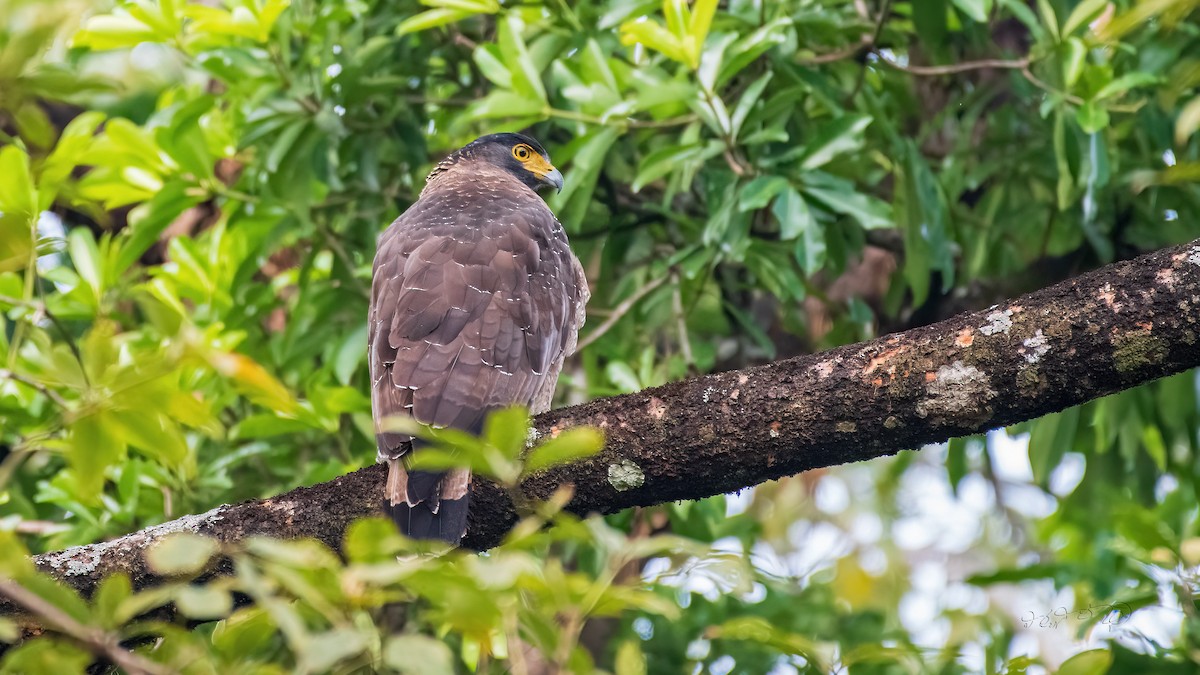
884, 9
39, 309
39, 527
838, 55
95, 640
619, 122
335, 245
1035, 81
950, 69
54, 397
72, 343
620, 311
685, 343
571, 115
661, 124
463, 41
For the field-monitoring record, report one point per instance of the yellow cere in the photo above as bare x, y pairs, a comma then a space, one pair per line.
533, 161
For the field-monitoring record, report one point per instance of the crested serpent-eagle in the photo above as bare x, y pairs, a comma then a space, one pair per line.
476, 299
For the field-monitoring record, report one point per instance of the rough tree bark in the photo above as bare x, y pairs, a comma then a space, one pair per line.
1115, 328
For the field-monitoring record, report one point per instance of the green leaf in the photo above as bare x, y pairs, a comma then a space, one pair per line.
977, 10
284, 143
430, 19
665, 160
701, 20
350, 354
753, 329
502, 103
760, 191
95, 444
183, 139
630, 659
155, 435
622, 375
656, 37
1092, 117
321, 651
113, 591
15, 561
487, 57
526, 78
1065, 186
245, 632
1022, 13
181, 554
929, 18
1152, 441
1049, 18
372, 540
46, 655
34, 126
1074, 54
506, 430
17, 194
586, 167
924, 213
1091, 662
476, 6
843, 135
1124, 83
298, 553
796, 221
419, 655
111, 31
793, 214
759, 630
85, 255
266, 425
746, 102
746, 50
568, 446
1188, 121
203, 602
1083, 13
868, 211
73, 143
1051, 437
148, 220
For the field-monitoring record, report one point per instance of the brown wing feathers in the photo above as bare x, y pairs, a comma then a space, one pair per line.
473, 306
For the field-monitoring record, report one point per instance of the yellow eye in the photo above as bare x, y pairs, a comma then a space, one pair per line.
522, 152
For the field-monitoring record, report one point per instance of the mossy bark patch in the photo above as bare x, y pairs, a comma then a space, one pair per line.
1135, 351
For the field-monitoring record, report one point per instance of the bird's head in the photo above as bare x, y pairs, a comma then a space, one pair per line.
517, 154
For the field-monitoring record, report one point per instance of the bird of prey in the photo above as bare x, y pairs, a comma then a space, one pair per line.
476, 298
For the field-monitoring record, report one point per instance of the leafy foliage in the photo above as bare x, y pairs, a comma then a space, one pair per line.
189, 196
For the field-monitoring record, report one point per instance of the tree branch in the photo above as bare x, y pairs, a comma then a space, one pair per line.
1115, 328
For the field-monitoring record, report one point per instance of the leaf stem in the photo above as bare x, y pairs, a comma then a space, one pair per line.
620, 311
100, 643
54, 397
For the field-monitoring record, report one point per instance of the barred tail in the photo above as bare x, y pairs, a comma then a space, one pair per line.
427, 505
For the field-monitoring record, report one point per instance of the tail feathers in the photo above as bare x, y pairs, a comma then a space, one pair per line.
420, 522
427, 505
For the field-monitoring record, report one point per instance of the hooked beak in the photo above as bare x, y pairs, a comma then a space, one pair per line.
554, 178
